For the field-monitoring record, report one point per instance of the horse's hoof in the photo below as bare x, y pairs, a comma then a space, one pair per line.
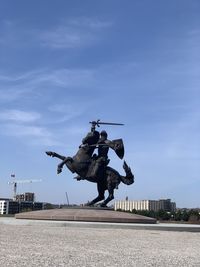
59, 170
102, 205
78, 178
49, 153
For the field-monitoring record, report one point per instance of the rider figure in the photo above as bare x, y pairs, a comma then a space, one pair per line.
101, 160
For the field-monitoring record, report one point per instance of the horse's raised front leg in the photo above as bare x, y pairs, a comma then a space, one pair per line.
68, 161
54, 154
64, 159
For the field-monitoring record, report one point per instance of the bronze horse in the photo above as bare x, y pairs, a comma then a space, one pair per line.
81, 164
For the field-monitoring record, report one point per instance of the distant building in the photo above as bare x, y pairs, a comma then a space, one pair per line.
167, 205
13, 207
8, 206
25, 197
4, 206
29, 206
154, 205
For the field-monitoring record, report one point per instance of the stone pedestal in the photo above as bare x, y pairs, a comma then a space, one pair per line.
85, 215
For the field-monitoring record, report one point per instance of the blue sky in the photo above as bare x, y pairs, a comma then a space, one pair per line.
65, 63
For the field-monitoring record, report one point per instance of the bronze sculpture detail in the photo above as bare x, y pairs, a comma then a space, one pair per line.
94, 168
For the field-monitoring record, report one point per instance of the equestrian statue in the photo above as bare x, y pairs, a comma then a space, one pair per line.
94, 167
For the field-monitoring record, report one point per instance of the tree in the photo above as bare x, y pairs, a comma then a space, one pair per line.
194, 216
163, 215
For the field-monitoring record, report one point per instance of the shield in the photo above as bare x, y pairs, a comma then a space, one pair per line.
118, 146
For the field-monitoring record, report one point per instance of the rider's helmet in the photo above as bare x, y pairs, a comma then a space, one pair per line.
104, 134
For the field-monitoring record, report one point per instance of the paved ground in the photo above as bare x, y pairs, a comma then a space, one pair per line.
41, 244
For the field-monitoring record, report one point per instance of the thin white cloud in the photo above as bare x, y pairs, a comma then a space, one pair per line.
78, 32
65, 112
13, 33
35, 134
71, 33
19, 77
18, 85
34, 82
8, 94
60, 108
19, 116
63, 37
60, 77
26, 130
90, 23
67, 77
20, 124
75, 131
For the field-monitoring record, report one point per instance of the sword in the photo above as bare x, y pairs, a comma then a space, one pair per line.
98, 123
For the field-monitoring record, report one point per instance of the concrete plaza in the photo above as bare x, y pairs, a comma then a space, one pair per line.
44, 243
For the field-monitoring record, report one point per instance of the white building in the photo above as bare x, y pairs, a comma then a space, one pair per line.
155, 205
4, 206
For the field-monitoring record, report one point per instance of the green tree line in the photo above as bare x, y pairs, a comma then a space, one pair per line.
191, 215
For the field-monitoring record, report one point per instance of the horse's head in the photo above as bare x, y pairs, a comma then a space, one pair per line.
87, 150
91, 138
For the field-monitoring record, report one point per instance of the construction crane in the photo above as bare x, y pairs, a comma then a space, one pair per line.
67, 198
16, 182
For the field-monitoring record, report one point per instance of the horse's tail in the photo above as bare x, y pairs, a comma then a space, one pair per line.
129, 178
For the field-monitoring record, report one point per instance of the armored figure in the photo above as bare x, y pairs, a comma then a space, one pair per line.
101, 160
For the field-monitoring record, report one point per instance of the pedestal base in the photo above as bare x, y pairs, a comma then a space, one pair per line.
85, 215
